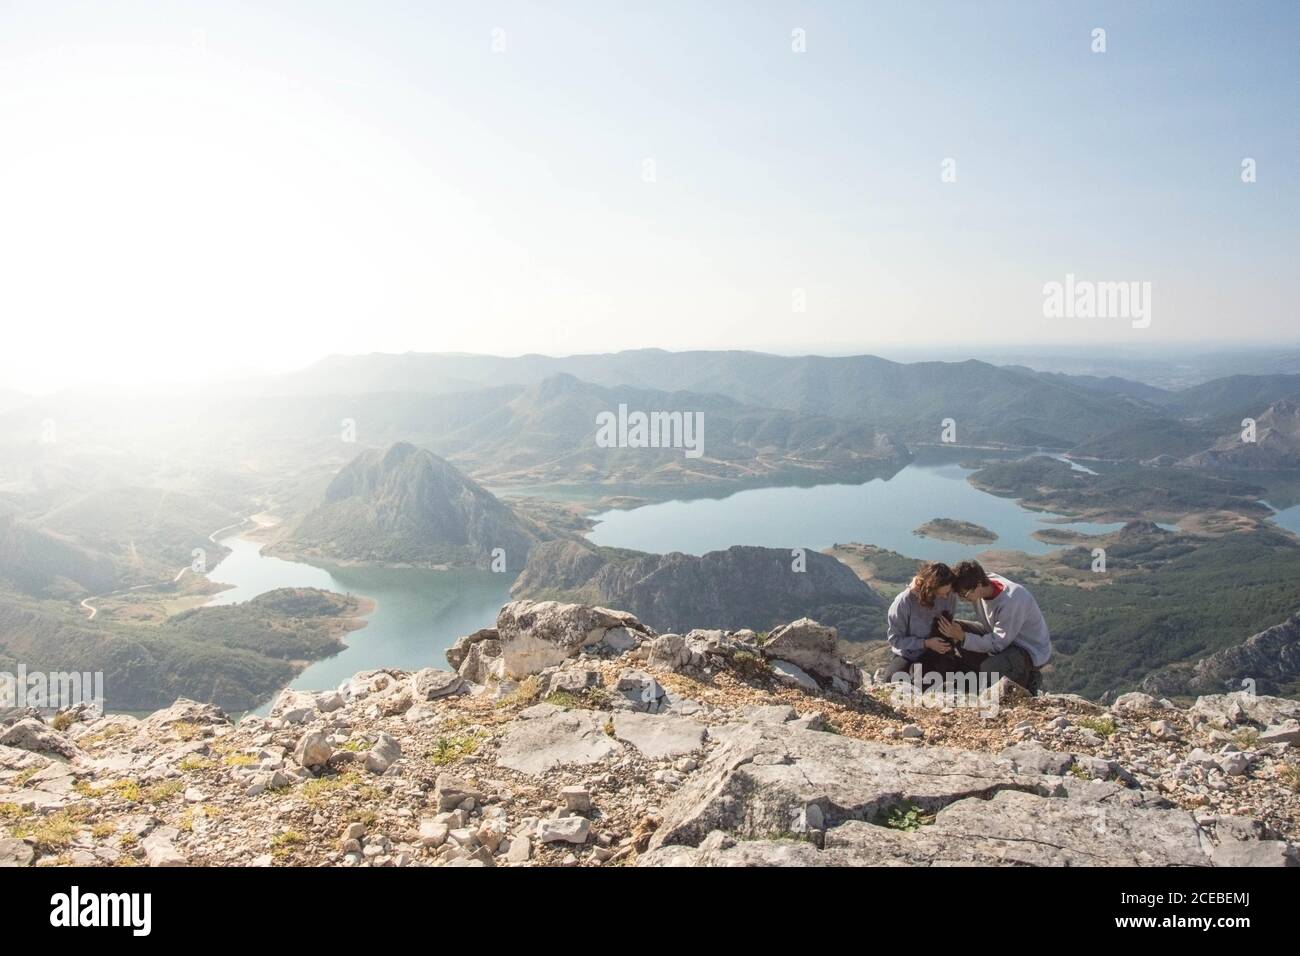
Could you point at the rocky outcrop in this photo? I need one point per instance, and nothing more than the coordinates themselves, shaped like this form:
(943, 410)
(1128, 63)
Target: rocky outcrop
(593, 741)
(1276, 444)
(737, 588)
(1269, 659)
(532, 636)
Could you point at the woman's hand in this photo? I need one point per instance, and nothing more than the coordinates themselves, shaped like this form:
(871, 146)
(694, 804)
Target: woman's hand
(938, 645)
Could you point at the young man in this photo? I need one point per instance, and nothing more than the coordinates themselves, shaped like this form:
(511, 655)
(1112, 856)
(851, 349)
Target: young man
(1018, 643)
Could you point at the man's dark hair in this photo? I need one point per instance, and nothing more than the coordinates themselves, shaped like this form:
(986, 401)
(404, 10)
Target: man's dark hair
(968, 575)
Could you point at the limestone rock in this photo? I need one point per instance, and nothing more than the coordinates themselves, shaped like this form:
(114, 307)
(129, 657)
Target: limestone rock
(451, 791)
(432, 683)
(539, 634)
(566, 737)
(32, 734)
(381, 755)
(812, 648)
(789, 673)
(564, 829)
(658, 736)
(313, 749)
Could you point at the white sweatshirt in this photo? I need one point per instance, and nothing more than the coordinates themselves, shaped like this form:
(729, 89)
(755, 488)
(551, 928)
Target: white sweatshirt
(1013, 617)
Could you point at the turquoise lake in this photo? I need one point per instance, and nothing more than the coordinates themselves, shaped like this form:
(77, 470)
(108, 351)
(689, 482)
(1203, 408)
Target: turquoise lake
(419, 613)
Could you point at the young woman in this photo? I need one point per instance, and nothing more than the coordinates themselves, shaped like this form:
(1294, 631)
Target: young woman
(916, 624)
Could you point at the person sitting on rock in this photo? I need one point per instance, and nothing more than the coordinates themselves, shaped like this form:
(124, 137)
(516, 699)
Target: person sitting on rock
(1015, 639)
(914, 625)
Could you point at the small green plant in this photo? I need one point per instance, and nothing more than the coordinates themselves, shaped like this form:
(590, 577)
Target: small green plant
(1289, 775)
(450, 749)
(24, 775)
(126, 789)
(1101, 725)
(108, 733)
(366, 818)
(316, 791)
(194, 762)
(187, 730)
(1077, 770)
(904, 816)
(239, 760)
(11, 811)
(54, 831)
(356, 746)
(158, 792)
(127, 840)
(63, 720)
(1246, 739)
(525, 693)
(750, 665)
(283, 844)
(564, 698)
(101, 831)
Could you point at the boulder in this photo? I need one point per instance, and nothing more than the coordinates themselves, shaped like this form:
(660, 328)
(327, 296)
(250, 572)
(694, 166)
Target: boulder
(431, 683)
(293, 707)
(451, 791)
(539, 634)
(794, 675)
(313, 749)
(482, 662)
(1240, 707)
(31, 733)
(460, 649)
(381, 755)
(812, 648)
(160, 848)
(1134, 703)
(564, 830)
(1287, 732)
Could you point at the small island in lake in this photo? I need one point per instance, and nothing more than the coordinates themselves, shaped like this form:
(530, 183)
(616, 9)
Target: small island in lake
(950, 529)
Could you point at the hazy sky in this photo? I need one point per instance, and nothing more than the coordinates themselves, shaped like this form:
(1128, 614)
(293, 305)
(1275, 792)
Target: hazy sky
(190, 187)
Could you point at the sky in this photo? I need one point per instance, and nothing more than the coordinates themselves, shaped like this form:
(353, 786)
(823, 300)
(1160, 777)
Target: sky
(190, 189)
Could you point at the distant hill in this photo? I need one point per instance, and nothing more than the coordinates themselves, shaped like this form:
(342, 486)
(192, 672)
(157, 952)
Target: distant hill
(739, 587)
(406, 505)
(1276, 446)
(990, 404)
(1107, 385)
(41, 564)
(1145, 440)
(548, 431)
(1235, 395)
(233, 655)
(148, 532)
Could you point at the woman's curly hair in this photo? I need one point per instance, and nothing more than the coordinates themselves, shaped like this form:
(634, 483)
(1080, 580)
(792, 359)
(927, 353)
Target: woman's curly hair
(929, 578)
